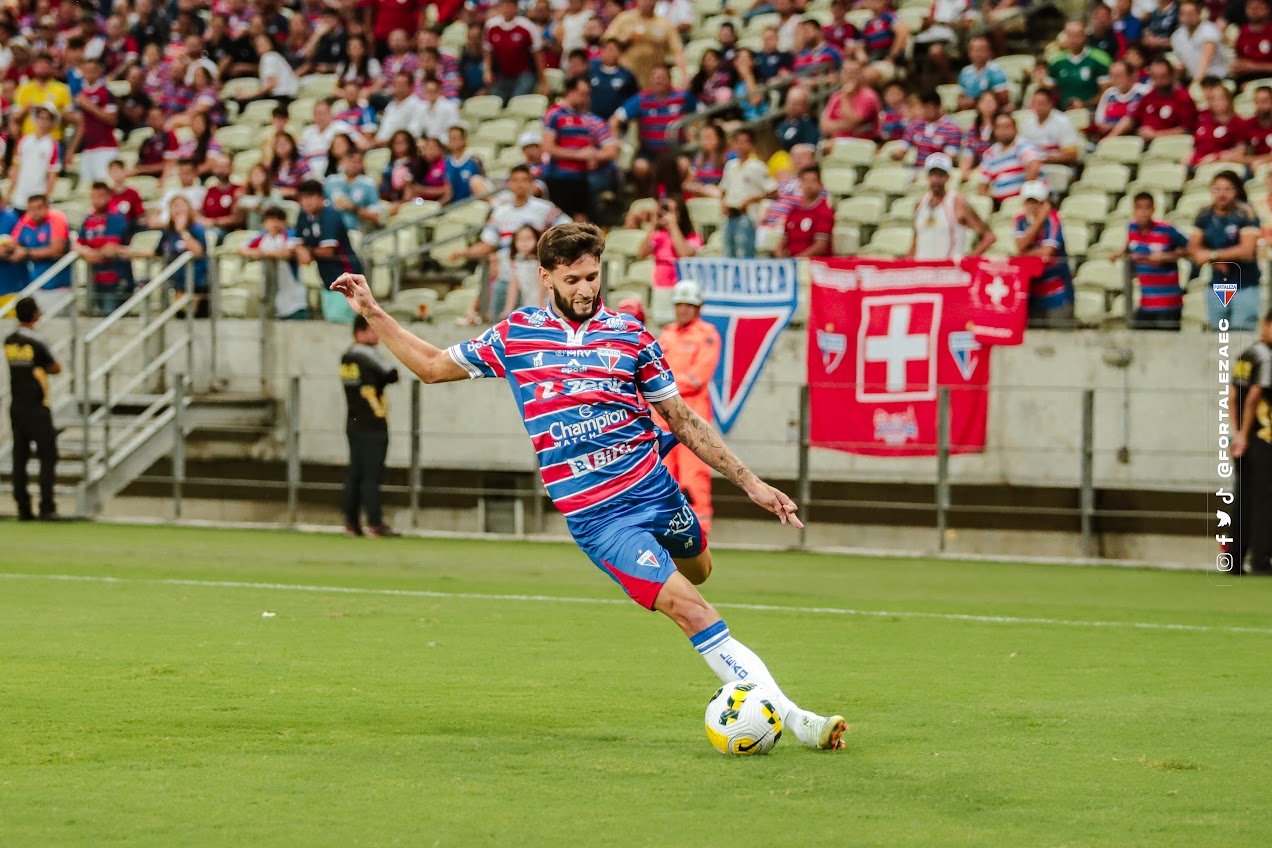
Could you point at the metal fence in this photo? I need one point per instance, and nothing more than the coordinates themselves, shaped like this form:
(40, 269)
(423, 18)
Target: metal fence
(436, 459)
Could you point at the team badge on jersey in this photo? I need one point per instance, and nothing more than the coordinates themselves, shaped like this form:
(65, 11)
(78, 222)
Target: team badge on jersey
(609, 358)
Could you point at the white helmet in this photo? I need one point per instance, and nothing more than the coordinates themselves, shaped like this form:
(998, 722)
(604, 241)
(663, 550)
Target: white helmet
(687, 291)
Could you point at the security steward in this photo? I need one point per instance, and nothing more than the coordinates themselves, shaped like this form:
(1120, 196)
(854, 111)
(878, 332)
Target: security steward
(30, 364)
(691, 347)
(1248, 399)
(365, 375)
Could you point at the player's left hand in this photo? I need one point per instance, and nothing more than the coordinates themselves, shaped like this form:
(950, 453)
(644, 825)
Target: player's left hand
(775, 502)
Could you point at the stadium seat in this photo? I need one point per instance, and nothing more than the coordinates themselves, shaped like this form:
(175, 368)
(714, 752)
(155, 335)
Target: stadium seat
(238, 302)
(258, 112)
(639, 274)
(1102, 274)
(1084, 207)
(499, 131)
(624, 242)
(484, 107)
(528, 106)
(1077, 242)
(845, 239)
(1088, 306)
(239, 87)
(862, 209)
(902, 209)
(119, 88)
(474, 213)
(1080, 118)
(1163, 176)
(238, 137)
(245, 160)
(839, 182)
(981, 205)
(317, 86)
(146, 241)
(1170, 148)
(1206, 173)
(705, 214)
(375, 159)
(857, 152)
(407, 302)
(146, 186)
(949, 96)
(890, 241)
(1196, 306)
(1016, 66)
(1125, 149)
(886, 181)
(136, 138)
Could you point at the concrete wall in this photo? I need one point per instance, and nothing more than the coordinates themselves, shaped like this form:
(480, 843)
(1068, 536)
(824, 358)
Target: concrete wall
(1163, 405)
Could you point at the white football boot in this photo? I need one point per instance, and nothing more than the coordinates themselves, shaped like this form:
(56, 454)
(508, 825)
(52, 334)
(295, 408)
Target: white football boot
(824, 732)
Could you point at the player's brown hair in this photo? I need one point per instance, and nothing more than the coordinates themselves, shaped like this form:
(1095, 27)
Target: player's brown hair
(566, 244)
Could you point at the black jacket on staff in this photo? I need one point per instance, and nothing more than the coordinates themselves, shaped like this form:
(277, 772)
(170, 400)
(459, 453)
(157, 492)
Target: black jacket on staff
(30, 364)
(365, 375)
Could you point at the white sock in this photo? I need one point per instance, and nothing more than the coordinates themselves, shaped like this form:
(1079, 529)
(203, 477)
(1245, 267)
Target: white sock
(731, 660)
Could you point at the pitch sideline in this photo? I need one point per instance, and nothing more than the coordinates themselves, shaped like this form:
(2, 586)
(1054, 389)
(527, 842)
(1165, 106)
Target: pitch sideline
(424, 593)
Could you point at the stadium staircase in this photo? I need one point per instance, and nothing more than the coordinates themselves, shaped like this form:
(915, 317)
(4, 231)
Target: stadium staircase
(125, 399)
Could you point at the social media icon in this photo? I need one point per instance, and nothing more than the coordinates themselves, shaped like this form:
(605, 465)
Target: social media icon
(1223, 562)
(1224, 519)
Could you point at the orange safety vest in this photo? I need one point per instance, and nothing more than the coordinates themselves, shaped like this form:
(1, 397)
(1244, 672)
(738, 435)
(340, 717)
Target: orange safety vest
(692, 352)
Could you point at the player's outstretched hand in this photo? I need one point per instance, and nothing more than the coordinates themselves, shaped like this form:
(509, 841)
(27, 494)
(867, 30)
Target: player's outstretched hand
(775, 502)
(356, 291)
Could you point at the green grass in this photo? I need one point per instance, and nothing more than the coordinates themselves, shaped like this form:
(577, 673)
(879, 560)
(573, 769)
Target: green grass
(148, 713)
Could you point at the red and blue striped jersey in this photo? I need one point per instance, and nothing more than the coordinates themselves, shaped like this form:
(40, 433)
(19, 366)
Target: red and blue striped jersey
(583, 394)
(927, 137)
(654, 115)
(1054, 287)
(824, 57)
(891, 125)
(1159, 284)
(573, 131)
(880, 34)
(707, 172)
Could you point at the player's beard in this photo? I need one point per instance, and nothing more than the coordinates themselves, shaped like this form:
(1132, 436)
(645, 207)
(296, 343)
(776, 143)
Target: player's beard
(566, 309)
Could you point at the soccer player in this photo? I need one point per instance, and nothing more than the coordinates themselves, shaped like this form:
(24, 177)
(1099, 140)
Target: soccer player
(578, 372)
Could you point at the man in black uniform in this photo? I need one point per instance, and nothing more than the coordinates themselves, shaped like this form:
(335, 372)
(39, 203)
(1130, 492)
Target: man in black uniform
(30, 364)
(365, 375)
(1248, 399)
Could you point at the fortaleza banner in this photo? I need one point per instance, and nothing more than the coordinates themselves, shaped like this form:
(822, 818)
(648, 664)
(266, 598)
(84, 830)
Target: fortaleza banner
(885, 335)
(750, 302)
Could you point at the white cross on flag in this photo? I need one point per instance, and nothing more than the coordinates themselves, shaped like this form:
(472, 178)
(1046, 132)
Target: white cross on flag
(885, 336)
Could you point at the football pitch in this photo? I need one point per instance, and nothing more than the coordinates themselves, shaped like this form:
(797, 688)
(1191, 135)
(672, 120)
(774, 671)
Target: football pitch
(178, 686)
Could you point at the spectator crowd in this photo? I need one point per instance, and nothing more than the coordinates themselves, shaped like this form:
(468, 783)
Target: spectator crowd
(294, 131)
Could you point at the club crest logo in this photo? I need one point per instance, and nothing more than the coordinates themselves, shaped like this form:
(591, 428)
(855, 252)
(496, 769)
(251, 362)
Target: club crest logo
(833, 347)
(1225, 291)
(896, 428)
(963, 347)
(609, 358)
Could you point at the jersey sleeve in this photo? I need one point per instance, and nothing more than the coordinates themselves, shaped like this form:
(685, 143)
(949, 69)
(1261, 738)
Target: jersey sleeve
(653, 377)
(43, 357)
(484, 355)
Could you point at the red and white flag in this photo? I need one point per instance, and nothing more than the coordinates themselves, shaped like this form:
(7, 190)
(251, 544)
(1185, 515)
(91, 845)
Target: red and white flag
(886, 335)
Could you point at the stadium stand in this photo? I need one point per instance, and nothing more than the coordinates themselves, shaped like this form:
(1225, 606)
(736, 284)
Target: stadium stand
(366, 97)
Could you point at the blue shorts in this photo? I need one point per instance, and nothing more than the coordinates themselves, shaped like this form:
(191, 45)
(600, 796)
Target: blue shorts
(633, 538)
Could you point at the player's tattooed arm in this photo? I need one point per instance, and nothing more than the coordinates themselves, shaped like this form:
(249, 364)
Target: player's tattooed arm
(697, 435)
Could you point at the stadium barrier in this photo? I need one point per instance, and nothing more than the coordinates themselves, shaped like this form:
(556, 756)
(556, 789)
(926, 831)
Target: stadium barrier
(931, 503)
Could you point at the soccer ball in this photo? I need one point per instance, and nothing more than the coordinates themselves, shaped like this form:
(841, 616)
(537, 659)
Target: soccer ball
(742, 719)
